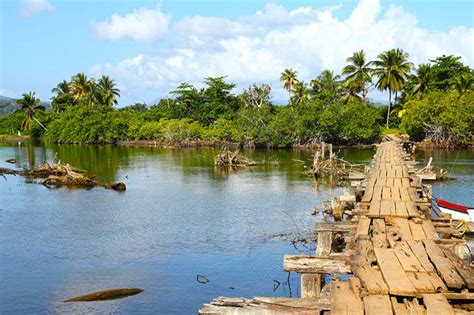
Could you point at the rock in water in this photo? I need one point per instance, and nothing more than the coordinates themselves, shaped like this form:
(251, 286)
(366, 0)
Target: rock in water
(117, 186)
(11, 161)
(105, 295)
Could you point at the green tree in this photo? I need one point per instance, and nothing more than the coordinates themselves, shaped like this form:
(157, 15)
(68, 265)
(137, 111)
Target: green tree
(289, 78)
(107, 91)
(300, 93)
(30, 104)
(444, 71)
(326, 86)
(463, 83)
(63, 97)
(422, 80)
(391, 69)
(79, 86)
(359, 71)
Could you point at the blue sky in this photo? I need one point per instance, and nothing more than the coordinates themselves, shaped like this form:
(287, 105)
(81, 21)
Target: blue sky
(149, 47)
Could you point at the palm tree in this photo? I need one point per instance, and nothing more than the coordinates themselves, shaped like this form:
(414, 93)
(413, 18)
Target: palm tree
(350, 91)
(289, 78)
(300, 92)
(326, 81)
(422, 80)
(31, 104)
(80, 85)
(391, 69)
(61, 88)
(107, 91)
(359, 71)
(463, 83)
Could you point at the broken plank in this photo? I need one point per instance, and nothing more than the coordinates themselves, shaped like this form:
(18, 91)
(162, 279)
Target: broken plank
(387, 208)
(417, 230)
(425, 282)
(306, 264)
(323, 248)
(429, 230)
(407, 258)
(393, 273)
(404, 228)
(362, 227)
(379, 237)
(377, 304)
(437, 304)
(419, 250)
(443, 265)
(344, 301)
(465, 270)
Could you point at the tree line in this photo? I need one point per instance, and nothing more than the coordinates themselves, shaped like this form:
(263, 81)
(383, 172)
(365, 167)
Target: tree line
(433, 101)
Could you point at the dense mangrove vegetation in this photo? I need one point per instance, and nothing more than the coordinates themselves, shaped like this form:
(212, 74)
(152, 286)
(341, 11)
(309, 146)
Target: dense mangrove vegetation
(433, 101)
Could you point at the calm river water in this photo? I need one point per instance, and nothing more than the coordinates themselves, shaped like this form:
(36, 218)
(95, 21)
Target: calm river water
(179, 218)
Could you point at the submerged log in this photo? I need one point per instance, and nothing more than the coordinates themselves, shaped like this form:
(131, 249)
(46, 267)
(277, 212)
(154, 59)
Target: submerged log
(106, 295)
(229, 158)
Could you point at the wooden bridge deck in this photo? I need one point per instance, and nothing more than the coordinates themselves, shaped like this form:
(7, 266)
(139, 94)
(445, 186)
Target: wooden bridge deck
(399, 263)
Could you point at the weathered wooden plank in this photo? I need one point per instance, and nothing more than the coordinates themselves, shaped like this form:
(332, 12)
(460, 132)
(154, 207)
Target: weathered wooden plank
(406, 181)
(417, 230)
(323, 248)
(396, 193)
(338, 226)
(401, 209)
(429, 230)
(465, 271)
(411, 209)
(310, 285)
(362, 227)
(419, 250)
(398, 308)
(379, 237)
(397, 182)
(403, 227)
(393, 273)
(404, 194)
(387, 208)
(437, 304)
(386, 193)
(361, 265)
(443, 265)
(377, 304)
(377, 195)
(344, 301)
(425, 282)
(306, 264)
(407, 258)
(374, 209)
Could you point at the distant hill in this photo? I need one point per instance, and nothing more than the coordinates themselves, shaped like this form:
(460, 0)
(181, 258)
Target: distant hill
(8, 105)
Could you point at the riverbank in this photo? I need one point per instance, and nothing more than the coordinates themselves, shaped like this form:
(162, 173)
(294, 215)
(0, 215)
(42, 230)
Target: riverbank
(12, 138)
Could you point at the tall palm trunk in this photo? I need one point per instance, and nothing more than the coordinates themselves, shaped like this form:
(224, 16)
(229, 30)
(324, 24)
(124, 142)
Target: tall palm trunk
(389, 106)
(34, 118)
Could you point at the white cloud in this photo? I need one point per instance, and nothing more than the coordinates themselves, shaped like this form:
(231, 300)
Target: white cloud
(257, 48)
(34, 7)
(140, 25)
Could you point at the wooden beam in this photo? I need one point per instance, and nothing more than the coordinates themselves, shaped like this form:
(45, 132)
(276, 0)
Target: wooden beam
(306, 264)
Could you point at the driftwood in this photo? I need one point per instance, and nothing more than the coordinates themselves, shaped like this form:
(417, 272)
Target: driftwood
(229, 158)
(332, 165)
(57, 175)
(105, 295)
(7, 171)
(61, 175)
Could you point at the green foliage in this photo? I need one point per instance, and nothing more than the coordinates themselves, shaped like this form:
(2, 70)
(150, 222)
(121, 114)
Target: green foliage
(444, 71)
(443, 117)
(11, 124)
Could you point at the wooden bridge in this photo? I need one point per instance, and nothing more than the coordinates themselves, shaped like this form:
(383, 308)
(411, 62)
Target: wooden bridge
(398, 259)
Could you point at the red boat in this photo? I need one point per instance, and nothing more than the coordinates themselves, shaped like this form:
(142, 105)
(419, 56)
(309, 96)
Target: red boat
(457, 212)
